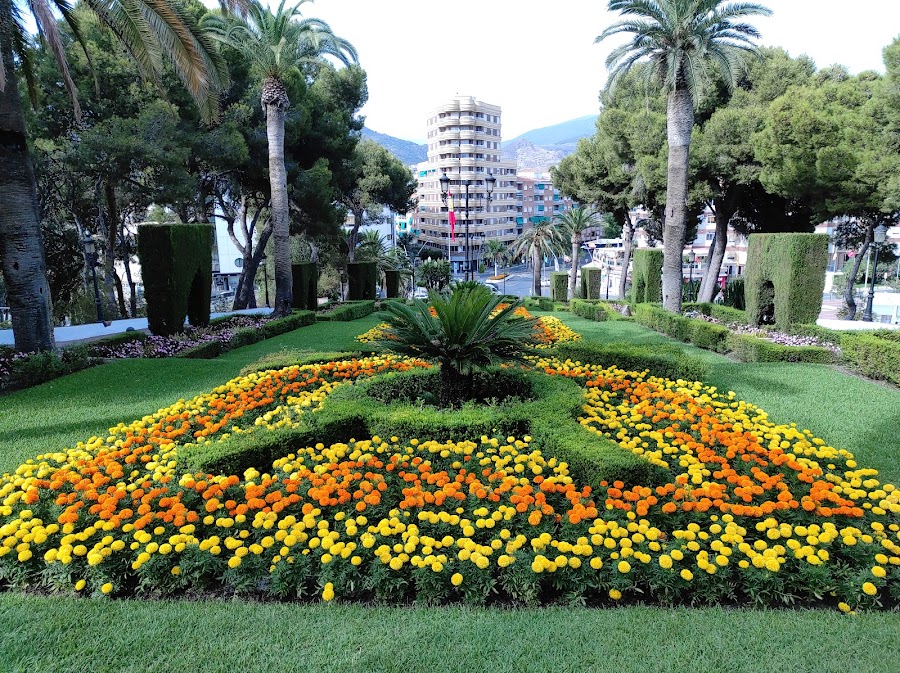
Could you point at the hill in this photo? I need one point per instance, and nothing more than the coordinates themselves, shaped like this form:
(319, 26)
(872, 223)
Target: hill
(407, 151)
(564, 133)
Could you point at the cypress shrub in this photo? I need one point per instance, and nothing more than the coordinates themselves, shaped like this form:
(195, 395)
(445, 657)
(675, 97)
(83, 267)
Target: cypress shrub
(391, 283)
(646, 279)
(559, 285)
(785, 278)
(362, 278)
(305, 286)
(593, 282)
(733, 295)
(589, 310)
(176, 264)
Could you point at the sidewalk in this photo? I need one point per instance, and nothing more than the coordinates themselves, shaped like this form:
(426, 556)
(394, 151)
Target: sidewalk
(73, 333)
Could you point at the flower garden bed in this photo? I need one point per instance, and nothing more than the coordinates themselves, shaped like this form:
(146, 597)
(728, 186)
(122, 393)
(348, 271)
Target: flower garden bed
(749, 512)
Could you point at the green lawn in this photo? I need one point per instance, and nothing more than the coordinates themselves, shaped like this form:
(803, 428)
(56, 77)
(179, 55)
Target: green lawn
(74, 635)
(67, 634)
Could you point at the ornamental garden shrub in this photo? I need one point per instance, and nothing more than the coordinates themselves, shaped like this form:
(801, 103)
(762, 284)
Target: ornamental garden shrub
(391, 283)
(748, 348)
(876, 355)
(733, 509)
(785, 278)
(659, 360)
(559, 286)
(589, 310)
(362, 278)
(305, 291)
(591, 282)
(176, 265)
(347, 311)
(733, 295)
(646, 281)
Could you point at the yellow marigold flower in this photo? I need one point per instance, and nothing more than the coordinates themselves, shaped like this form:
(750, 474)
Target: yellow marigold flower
(869, 589)
(878, 571)
(176, 570)
(843, 607)
(79, 585)
(107, 588)
(615, 594)
(596, 563)
(665, 561)
(328, 592)
(687, 575)
(624, 567)
(456, 579)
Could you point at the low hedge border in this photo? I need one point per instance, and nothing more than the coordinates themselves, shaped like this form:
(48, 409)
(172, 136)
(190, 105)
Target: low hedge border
(597, 310)
(753, 349)
(664, 361)
(539, 303)
(725, 314)
(873, 355)
(350, 412)
(348, 310)
(247, 335)
(293, 356)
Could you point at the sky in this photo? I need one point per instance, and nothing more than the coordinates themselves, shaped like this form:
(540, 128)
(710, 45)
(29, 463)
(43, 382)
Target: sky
(537, 58)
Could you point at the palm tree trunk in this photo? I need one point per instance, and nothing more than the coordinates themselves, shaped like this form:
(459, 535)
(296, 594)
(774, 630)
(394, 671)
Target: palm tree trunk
(680, 123)
(21, 246)
(628, 237)
(714, 260)
(275, 101)
(573, 274)
(536, 273)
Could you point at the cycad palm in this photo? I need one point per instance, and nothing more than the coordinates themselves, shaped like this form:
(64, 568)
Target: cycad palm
(276, 45)
(574, 223)
(496, 252)
(153, 31)
(684, 41)
(542, 240)
(467, 332)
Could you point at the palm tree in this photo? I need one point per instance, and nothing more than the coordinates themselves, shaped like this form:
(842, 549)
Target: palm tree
(495, 252)
(276, 45)
(542, 240)
(152, 31)
(574, 223)
(467, 331)
(684, 41)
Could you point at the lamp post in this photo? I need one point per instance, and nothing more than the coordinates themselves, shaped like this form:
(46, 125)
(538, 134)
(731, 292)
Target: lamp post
(879, 238)
(90, 256)
(489, 183)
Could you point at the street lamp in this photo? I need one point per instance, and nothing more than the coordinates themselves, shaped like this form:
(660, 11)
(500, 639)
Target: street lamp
(90, 257)
(880, 236)
(489, 183)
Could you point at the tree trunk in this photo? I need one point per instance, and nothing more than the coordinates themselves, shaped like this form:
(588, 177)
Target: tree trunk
(680, 123)
(573, 274)
(275, 102)
(120, 295)
(849, 301)
(132, 288)
(714, 258)
(628, 236)
(353, 238)
(536, 273)
(112, 281)
(245, 296)
(21, 246)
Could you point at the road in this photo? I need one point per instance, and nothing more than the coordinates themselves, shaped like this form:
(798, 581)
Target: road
(519, 282)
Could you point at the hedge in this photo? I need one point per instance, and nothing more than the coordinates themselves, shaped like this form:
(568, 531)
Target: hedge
(559, 285)
(246, 336)
(351, 412)
(391, 283)
(176, 265)
(660, 360)
(288, 357)
(347, 311)
(785, 278)
(539, 303)
(591, 282)
(659, 319)
(362, 280)
(589, 309)
(305, 288)
(725, 314)
(753, 349)
(646, 278)
(873, 355)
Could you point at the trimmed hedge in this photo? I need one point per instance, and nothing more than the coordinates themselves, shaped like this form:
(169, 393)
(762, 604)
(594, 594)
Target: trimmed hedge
(787, 270)
(248, 335)
(391, 283)
(660, 360)
(351, 412)
(539, 303)
(753, 349)
(725, 314)
(292, 356)
(588, 309)
(362, 281)
(559, 285)
(347, 311)
(646, 280)
(873, 355)
(305, 286)
(176, 264)
(591, 282)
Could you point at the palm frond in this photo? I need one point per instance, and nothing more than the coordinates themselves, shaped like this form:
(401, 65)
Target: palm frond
(49, 32)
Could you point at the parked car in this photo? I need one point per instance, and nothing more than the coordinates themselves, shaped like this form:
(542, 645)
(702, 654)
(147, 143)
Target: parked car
(493, 288)
(421, 293)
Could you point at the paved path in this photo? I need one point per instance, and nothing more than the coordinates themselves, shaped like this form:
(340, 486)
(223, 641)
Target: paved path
(75, 333)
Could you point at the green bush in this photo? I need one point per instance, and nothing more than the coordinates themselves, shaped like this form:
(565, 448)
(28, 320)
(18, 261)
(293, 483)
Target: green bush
(646, 279)
(176, 263)
(347, 311)
(785, 278)
(289, 323)
(823, 333)
(661, 320)
(559, 285)
(724, 314)
(690, 290)
(538, 303)
(592, 282)
(362, 279)
(391, 283)
(305, 294)
(709, 336)
(589, 310)
(660, 360)
(873, 355)
(733, 296)
(38, 368)
(288, 357)
(753, 349)
(247, 336)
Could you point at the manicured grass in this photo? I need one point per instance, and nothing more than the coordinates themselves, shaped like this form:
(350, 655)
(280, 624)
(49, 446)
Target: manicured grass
(65, 634)
(847, 412)
(61, 412)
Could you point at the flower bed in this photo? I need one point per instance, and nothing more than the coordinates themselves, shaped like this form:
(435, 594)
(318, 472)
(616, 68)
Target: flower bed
(754, 512)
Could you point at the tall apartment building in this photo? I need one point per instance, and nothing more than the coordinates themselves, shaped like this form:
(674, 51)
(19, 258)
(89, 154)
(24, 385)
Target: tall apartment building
(538, 199)
(464, 142)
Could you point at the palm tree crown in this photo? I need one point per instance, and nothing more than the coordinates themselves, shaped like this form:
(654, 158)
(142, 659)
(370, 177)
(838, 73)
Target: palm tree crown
(682, 39)
(542, 240)
(574, 223)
